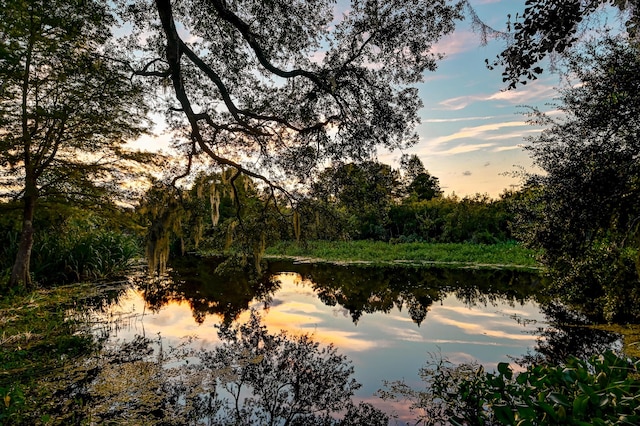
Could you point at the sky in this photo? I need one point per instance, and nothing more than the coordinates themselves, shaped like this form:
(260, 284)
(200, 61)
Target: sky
(472, 130)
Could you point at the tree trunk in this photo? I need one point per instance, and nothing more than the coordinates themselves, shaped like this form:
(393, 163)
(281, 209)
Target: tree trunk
(20, 274)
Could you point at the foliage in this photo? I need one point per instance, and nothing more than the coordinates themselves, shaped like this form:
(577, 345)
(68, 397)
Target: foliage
(249, 88)
(370, 200)
(476, 219)
(38, 338)
(221, 211)
(507, 255)
(419, 184)
(227, 212)
(583, 211)
(272, 90)
(550, 27)
(67, 109)
(601, 391)
(72, 245)
(362, 192)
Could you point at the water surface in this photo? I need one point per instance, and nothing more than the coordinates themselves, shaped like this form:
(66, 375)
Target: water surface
(388, 321)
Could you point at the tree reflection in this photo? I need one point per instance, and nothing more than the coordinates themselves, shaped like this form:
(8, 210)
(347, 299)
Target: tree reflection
(567, 334)
(371, 289)
(358, 290)
(251, 378)
(207, 289)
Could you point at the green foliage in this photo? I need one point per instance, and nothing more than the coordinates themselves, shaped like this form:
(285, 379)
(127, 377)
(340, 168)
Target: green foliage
(476, 219)
(68, 106)
(371, 201)
(601, 391)
(223, 212)
(502, 255)
(72, 245)
(38, 339)
(82, 254)
(362, 193)
(583, 211)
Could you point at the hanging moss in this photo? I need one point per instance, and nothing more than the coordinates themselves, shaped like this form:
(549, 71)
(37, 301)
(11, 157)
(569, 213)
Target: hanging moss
(296, 225)
(230, 234)
(258, 251)
(214, 200)
(165, 215)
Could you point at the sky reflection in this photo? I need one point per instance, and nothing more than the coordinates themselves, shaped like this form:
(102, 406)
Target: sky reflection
(381, 345)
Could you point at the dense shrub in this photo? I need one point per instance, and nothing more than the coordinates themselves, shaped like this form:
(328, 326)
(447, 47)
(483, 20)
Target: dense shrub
(603, 390)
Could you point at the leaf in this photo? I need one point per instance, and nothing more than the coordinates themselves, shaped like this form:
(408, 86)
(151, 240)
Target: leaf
(580, 404)
(505, 370)
(559, 399)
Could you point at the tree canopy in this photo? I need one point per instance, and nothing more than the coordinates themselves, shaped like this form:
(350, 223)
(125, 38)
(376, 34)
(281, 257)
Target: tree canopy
(283, 86)
(547, 27)
(584, 210)
(66, 108)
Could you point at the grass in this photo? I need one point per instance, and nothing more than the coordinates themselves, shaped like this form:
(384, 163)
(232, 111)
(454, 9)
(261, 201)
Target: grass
(504, 255)
(37, 338)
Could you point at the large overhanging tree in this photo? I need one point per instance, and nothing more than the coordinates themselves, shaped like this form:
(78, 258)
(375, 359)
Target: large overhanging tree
(283, 86)
(66, 109)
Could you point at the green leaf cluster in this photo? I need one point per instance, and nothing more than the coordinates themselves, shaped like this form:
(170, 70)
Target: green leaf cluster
(603, 390)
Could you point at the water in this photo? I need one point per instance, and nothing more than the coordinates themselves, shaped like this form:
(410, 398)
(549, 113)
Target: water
(387, 321)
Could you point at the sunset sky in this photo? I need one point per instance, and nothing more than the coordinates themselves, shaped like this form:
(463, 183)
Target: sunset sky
(472, 130)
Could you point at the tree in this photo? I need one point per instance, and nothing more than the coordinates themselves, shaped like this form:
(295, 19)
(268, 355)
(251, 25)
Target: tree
(420, 185)
(411, 166)
(66, 109)
(547, 27)
(364, 191)
(275, 86)
(584, 211)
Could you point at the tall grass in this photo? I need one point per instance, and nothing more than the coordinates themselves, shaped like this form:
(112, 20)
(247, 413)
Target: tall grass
(510, 254)
(83, 255)
(74, 253)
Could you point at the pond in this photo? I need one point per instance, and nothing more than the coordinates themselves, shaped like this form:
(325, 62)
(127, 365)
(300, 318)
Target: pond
(387, 321)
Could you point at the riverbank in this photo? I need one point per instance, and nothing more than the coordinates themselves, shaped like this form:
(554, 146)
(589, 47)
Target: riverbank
(40, 336)
(376, 253)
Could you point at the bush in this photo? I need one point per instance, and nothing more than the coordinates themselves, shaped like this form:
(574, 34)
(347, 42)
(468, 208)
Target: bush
(603, 390)
(71, 250)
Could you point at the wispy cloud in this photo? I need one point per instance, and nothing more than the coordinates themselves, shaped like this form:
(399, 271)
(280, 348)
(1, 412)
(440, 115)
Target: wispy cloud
(476, 132)
(463, 149)
(457, 42)
(507, 148)
(458, 119)
(535, 92)
(513, 135)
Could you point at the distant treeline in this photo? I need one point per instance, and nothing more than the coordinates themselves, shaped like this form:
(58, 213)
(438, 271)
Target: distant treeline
(346, 201)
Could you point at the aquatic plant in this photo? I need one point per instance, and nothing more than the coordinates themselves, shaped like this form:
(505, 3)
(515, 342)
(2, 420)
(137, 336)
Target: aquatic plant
(603, 390)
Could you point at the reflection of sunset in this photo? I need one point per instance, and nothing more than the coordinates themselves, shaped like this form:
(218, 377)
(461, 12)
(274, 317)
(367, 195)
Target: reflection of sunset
(385, 327)
(463, 310)
(479, 329)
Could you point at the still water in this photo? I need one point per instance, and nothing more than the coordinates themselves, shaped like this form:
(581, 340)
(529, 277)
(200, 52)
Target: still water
(387, 321)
